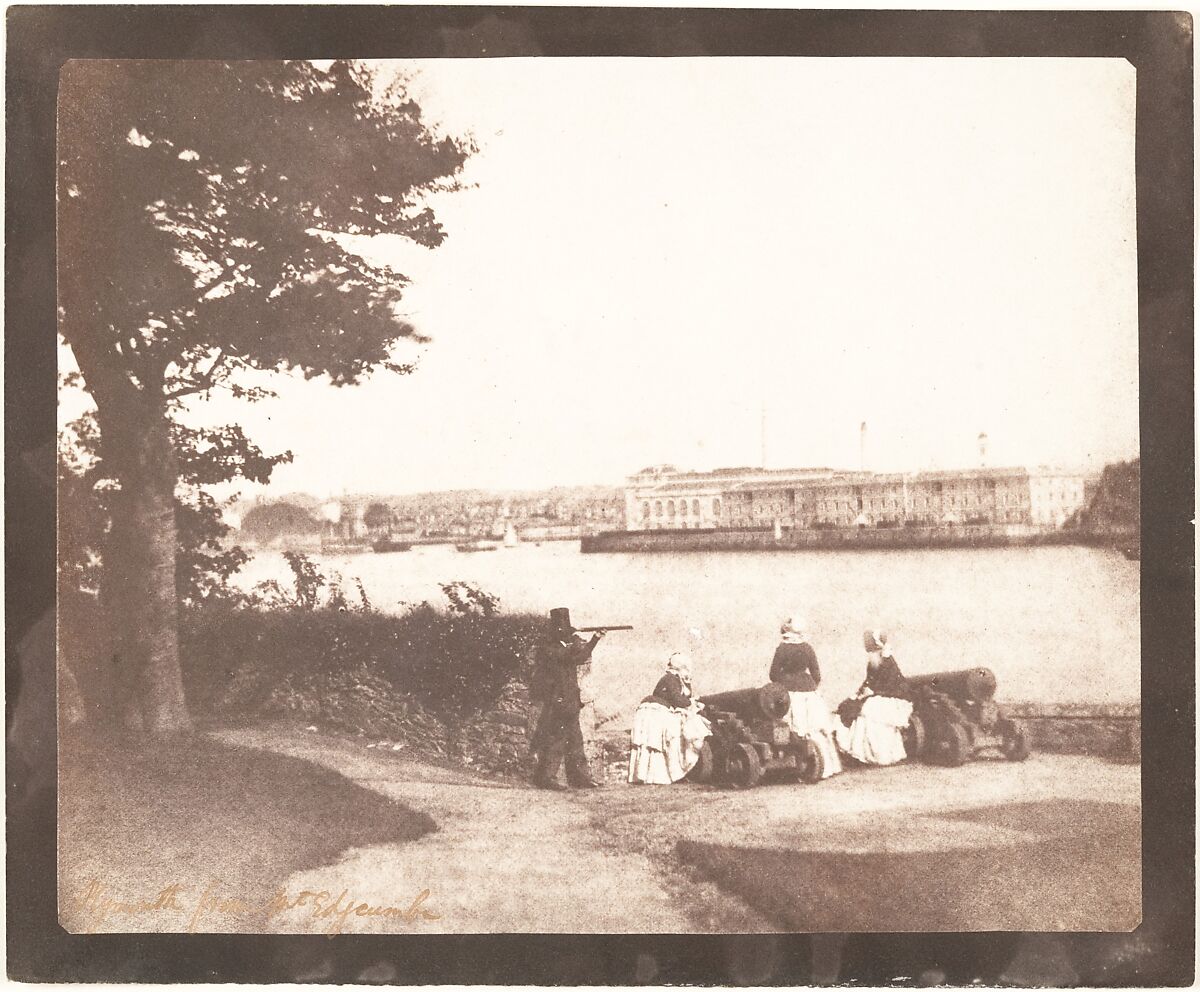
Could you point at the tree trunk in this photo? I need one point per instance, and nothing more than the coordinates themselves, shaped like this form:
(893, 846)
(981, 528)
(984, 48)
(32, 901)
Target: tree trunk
(122, 660)
(139, 595)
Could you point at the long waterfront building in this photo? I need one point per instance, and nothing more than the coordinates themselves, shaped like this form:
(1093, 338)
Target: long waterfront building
(663, 498)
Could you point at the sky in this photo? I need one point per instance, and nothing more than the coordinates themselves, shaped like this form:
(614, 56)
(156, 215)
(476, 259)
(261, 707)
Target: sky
(656, 256)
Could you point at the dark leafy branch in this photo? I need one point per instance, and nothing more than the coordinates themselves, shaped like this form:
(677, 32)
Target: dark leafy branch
(198, 200)
(203, 214)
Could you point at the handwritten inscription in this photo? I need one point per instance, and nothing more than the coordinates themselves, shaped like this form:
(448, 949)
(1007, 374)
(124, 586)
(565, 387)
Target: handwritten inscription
(198, 907)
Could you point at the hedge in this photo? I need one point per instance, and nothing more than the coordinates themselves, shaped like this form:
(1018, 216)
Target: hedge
(453, 661)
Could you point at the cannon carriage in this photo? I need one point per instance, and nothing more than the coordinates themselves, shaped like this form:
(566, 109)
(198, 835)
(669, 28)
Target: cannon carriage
(752, 739)
(956, 719)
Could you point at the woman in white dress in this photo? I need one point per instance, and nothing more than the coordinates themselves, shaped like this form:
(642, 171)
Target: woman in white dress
(872, 723)
(668, 728)
(795, 668)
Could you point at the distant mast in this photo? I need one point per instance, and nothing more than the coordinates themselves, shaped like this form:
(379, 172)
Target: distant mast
(764, 434)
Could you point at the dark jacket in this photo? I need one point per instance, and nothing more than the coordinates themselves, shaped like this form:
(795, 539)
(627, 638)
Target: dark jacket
(558, 677)
(795, 667)
(671, 691)
(887, 680)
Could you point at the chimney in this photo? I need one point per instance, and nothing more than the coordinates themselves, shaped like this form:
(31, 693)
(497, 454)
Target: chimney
(862, 446)
(983, 450)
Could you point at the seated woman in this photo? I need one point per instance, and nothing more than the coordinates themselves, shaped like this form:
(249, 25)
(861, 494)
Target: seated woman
(795, 668)
(873, 720)
(668, 730)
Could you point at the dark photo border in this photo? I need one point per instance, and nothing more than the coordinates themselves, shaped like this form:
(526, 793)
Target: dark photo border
(1159, 44)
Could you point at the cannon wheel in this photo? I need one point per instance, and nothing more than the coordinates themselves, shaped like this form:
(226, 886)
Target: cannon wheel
(742, 767)
(1015, 740)
(914, 737)
(703, 769)
(812, 762)
(954, 746)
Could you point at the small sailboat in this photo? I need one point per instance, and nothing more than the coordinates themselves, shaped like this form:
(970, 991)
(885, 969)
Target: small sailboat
(510, 536)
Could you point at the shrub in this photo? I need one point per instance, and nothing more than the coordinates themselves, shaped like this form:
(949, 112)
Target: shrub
(456, 659)
(312, 589)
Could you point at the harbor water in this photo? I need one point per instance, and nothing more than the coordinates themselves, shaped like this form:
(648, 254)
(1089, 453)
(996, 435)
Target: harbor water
(1056, 624)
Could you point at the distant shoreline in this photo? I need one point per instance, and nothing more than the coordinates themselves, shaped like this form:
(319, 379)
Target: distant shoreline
(764, 539)
(315, 546)
(845, 539)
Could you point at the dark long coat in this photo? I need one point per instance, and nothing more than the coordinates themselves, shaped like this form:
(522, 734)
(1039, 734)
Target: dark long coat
(795, 667)
(557, 689)
(671, 691)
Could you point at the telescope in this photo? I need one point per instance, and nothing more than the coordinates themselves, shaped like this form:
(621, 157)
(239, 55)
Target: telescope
(602, 630)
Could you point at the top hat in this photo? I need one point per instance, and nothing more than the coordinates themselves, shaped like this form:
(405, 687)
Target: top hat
(560, 618)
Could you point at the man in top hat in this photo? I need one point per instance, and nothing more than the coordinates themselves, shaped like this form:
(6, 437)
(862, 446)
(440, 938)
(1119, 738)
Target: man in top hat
(558, 734)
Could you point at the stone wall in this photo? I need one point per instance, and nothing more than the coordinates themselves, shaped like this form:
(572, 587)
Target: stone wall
(499, 740)
(1111, 730)
(743, 539)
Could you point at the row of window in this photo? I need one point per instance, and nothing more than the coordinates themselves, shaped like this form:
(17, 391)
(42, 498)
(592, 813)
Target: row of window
(683, 525)
(1071, 492)
(818, 495)
(916, 502)
(681, 507)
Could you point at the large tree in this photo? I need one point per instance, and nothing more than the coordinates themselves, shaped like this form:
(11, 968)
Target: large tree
(198, 208)
(378, 516)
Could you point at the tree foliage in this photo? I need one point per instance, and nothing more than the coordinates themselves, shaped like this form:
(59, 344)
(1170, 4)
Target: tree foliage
(378, 516)
(1116, 500)
(202, 223)
(86, 489)
(271, 520)
(198, 200)
(312, 589)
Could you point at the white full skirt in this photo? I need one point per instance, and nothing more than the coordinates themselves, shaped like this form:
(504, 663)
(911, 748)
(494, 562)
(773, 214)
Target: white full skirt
(874, 738)
(664, 744)
(810, 717)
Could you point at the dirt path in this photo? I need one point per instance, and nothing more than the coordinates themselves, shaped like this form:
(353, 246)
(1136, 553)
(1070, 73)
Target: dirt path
(505, 859)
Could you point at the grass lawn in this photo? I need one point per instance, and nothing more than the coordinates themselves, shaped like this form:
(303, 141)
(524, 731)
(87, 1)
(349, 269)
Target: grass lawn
(204, 816)
(1080, 869)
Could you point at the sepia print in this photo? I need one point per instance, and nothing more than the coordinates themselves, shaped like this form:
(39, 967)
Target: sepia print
(598, 495)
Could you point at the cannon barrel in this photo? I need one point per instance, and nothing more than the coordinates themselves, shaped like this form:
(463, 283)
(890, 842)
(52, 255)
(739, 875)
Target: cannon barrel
(770, 701)
(975, 684)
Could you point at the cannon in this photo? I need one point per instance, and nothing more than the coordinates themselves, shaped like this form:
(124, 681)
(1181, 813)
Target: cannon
(955, 719)
(769, 702)
(752, 738)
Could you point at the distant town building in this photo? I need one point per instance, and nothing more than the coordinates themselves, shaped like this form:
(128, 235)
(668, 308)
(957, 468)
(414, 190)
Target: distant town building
(549, 514)
(663, 498)
(1054, 495)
